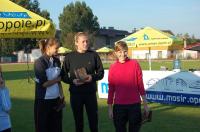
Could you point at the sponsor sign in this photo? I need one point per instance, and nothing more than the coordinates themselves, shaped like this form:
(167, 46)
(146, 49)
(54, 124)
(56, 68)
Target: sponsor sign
(165, 87)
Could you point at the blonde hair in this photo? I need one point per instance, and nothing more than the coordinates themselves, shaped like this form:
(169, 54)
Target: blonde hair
(121, 45)
(77, 35)
(47, 42)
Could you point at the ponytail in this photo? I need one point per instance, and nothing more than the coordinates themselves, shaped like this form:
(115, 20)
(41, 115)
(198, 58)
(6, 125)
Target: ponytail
(43, 45)
(46, 42)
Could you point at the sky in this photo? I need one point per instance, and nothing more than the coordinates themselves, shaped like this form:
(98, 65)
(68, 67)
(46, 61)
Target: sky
(179, 16)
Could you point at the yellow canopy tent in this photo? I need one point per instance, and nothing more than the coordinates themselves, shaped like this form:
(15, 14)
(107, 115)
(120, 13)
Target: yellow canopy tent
(104, 53)
(150, 37)
(18, 22)
(104, 50)
(63, 50)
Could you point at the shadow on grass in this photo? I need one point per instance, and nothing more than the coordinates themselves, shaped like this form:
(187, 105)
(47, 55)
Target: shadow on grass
(166, 118)
(173, 118)
(18, 75)
(22, 116)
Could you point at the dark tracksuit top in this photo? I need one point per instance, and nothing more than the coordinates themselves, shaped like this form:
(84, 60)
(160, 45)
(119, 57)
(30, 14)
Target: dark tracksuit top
(47, 119)
(90, 60)
(40, 66)
(85, 94)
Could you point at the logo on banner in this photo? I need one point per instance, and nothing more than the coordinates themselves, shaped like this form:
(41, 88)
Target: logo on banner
(104, 88)
(146, 37)
(14, 15)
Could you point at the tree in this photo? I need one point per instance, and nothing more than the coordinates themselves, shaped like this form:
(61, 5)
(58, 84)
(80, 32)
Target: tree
(179, 35)
(45, 14)
(193, 37)
(34, 7)
(189, 39)
(28, 4)
(76, 17)
(7, 46)
(186, 35)
(24, 3)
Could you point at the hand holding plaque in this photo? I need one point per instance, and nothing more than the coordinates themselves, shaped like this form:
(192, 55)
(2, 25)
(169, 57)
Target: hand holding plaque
(81, 74)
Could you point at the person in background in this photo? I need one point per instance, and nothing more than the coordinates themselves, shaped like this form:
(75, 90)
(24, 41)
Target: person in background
(81, 69)
(47, 94)
(5, 106)
(125, 89)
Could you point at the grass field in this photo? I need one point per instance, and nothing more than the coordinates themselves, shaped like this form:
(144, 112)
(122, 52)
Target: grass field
(166, 118)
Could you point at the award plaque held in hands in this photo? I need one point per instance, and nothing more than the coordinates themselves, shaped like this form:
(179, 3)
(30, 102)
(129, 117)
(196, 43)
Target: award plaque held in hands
(81, 74)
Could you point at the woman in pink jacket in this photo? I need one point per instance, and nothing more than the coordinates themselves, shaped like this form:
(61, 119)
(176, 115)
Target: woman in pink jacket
(125, 89)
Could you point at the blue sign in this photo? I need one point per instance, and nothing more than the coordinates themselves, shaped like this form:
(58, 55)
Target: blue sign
(14, 15)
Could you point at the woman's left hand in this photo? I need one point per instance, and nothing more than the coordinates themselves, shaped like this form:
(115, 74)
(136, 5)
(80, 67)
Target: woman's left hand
(58, 79)
(146, 109)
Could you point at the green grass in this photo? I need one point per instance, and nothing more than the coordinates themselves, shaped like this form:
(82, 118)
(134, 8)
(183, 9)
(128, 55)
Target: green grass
(156, 64)
(166, 118)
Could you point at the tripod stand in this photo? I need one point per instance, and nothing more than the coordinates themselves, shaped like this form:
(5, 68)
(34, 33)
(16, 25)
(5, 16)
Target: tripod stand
(27, 51)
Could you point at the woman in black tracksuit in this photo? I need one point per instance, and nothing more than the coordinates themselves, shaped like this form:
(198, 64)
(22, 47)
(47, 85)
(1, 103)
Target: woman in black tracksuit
(47, 73)
(83, 89)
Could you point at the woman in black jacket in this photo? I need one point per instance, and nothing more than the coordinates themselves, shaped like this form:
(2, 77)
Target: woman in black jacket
(81, 69)
(47, 72)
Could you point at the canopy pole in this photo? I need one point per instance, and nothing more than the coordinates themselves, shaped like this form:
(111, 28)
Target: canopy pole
(1, 49)
(149, 58)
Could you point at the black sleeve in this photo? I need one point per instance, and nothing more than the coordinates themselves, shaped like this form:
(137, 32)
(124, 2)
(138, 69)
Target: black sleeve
(65, 71)
(40, 71)
(99, 71)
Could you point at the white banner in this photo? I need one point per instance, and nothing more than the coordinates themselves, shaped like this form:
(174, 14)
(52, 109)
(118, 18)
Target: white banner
(165, 87)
